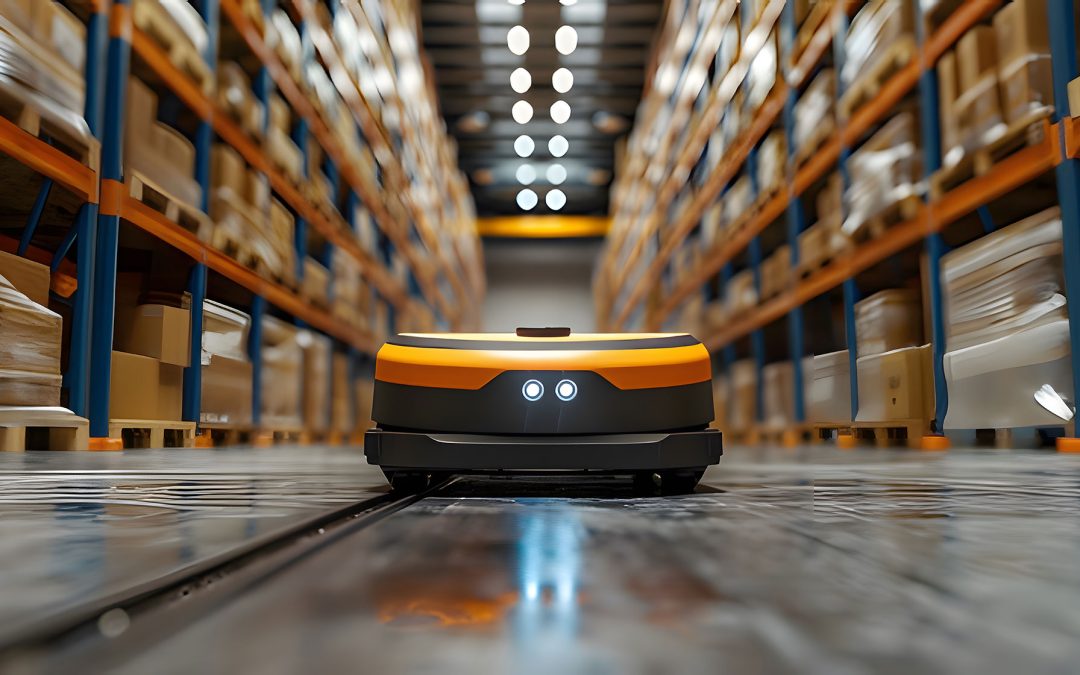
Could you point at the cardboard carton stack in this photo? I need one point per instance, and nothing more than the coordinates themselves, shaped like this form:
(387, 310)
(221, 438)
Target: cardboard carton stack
(772, 164)
(1007, 327)
(778, 393)
(235, 97)
(282, 375)
(828, 389)
(823, 240)
(815, 119)
(740, 294)
(30, 335)
(315, 286)
(776, 272)
(43, 48)
(157, 152)
(883, 29)
(352, 297)
(884, 171)
(240, 204)
(342, 412)
(226, 370)
(153, 346)
(318, 352)
(997, 77)
(893, 370)
(280, 148)
(743, 412)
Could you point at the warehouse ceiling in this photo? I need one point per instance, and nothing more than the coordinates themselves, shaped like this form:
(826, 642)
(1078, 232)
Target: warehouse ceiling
(466, 41)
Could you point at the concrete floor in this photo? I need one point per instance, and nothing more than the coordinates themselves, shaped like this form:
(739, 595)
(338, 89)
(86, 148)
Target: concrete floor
(809, 560)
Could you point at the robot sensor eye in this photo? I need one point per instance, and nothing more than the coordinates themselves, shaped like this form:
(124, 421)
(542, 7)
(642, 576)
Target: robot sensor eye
(532, 390)
(566, 390)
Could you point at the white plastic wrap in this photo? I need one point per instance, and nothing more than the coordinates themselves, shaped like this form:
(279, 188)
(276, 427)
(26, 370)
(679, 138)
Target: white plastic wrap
(884, 171)
(225, 332)
(188, 20)
(871, 33)
(29, 350)
(828, 389)
(815, 107)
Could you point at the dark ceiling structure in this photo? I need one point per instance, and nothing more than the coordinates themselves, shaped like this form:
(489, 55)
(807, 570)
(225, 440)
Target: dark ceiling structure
(466, 41)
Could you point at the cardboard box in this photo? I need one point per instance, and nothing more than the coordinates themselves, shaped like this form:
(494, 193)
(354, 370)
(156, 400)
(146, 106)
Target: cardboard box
(897, 385)
(227, 169)
(342, 419)
(133, 386)
(28, 277)
(317, 363)
(976, 55)
(29, 350)
(1024, 68)
(888, 320)
(948, 92)
(156, 331)
(226, 391)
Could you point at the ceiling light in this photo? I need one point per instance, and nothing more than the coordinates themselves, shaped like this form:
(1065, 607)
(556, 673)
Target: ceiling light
(527, 199)
(526, 174)
(517, 38)
(565, 40)
(562, 80)
(567, 3)
(558, 146)
(517, 2)
(555, 200)
(524, 146)
(520, 80)
(556, 174)
(560, 112)
(522, 112)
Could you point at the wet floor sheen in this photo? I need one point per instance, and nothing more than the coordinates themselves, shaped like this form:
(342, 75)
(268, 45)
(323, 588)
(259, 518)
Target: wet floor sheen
(784, 561)
(77, 527)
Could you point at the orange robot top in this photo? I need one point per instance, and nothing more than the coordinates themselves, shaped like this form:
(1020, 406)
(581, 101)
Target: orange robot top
(471, 360)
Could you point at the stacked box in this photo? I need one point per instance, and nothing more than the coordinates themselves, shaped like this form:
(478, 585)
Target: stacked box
(235, 97)
(282, 375)
(318, 352)
(772, 163)
(762, 75)
(283, 38)
(226, 370)
(43, 48)
(315, 286)
(776, 271)
(778, 393)
(885, 170)
(897, 385)
(743, 395)
(888, 320)
(977, 108)
(1022, 28)
(737, 202)
(1007, 326)
(30, 335)
(342, 414)
(878, 26)
(352, 297)
(828, 389)
(814, 113)
(155, 150)
(283, 152)
(740, 295)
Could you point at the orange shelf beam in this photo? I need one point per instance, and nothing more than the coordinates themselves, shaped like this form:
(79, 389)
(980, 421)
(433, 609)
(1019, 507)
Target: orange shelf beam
(193, 97)
(116, 197)
(368, 194)
(848, 135)
(38, 155)
(1006, 176)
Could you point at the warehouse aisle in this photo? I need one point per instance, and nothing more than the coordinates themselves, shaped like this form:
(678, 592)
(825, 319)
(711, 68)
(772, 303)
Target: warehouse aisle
(812, 560)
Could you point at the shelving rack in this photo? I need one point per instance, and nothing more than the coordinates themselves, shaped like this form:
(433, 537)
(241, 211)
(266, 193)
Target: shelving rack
(439, 245)
(622, 285)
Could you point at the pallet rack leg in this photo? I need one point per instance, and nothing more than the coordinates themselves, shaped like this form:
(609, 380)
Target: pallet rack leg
(1065, 69)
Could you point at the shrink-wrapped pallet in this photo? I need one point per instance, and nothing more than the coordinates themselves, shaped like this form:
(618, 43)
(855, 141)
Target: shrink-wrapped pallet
(1024, 68)
(342, 416)
(828, 389)
(877, 28)
(282, 374)
(743, 395)
(236, 98)
(1007, 326)
(316, 393)
(30, 337)
(158, 152)
(884, 171)
(888, 320)
(226, 371)
(814, 113)
(778, 393)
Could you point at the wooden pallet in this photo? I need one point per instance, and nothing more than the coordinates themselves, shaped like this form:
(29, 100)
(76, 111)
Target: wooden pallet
(750, 436)
(153, 433)
(825, 432)
(42, 428)
(788, 437)
(1031, 130)
(863, 90)
(898, 212)
(157, 198)
(891, 432)
(151, 18)
(823, 131)
(216, 435)
(70, 134)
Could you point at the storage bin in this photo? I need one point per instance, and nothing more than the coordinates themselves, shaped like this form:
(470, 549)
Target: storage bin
(992, 385)
(828, 389)
(896, 386)
(888, 320)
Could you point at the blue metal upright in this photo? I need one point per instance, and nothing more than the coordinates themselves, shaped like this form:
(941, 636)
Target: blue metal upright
(77, 377)
(930, 124)
(300, 136)
(192, 405)
(1063, 53)
(35, 216)
(254, 350)
(796, 223)
(118, 63)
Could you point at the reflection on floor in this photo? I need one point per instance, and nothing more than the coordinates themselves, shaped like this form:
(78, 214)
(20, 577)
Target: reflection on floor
(808, 560)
